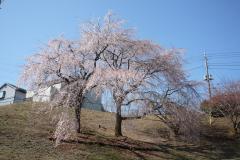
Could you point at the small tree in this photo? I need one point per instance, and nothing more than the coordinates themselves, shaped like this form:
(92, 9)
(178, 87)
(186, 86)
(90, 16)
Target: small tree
(226, 102)
(175, 105)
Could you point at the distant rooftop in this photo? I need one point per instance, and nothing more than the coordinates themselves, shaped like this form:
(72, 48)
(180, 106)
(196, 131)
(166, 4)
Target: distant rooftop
(14, 87)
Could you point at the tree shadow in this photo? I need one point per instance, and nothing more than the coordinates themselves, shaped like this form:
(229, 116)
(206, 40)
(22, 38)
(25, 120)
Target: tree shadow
(211, 145)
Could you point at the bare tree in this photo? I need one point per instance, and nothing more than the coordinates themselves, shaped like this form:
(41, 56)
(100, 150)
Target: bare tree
(176, 106)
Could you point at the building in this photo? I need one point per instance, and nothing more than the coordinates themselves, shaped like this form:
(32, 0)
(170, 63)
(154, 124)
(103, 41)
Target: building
(10, 94)
(43, 95)
(92, 101)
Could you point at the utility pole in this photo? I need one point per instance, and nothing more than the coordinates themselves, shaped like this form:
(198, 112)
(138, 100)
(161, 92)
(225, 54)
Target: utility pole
(208, 78)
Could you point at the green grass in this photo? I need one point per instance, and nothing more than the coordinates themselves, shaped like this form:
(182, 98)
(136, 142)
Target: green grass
(25, 132)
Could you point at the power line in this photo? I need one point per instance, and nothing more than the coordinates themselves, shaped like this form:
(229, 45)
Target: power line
(225, 52)
(194, 68)
(219, 64)
(225, 60)
(223, 57)
(226, 68)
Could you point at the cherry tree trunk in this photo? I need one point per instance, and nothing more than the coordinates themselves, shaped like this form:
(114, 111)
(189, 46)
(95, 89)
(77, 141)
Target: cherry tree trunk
(78, 113)
(118, 123)
(235, 127)
(78, 120)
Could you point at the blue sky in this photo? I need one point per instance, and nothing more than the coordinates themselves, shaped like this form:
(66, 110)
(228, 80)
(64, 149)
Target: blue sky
(195, 25)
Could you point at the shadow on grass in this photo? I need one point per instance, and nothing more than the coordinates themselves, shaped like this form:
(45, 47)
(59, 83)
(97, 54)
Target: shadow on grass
(214, 143)
(211, 146)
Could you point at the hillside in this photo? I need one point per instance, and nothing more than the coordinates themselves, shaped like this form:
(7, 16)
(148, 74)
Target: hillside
(25, 133)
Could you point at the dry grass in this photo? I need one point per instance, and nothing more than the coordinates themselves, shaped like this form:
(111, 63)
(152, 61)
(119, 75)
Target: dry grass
(146, 129)
(24, 135)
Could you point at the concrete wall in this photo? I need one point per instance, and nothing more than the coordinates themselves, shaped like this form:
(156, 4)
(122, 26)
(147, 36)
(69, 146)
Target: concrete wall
(43, 95)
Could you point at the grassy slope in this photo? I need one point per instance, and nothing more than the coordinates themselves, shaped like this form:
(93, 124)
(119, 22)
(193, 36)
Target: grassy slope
(24, 136)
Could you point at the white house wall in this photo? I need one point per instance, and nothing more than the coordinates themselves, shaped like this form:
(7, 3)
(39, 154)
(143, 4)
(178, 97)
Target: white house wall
(44, 95)
(9, 96)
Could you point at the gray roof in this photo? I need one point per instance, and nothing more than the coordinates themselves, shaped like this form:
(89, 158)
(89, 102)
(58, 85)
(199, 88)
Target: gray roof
(14, 87)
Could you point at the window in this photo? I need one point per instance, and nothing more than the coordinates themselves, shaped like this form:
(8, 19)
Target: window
(2, 94)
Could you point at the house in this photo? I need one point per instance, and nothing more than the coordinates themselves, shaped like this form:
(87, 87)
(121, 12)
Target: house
(10, 94)
(44, 94)
(92, 101)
